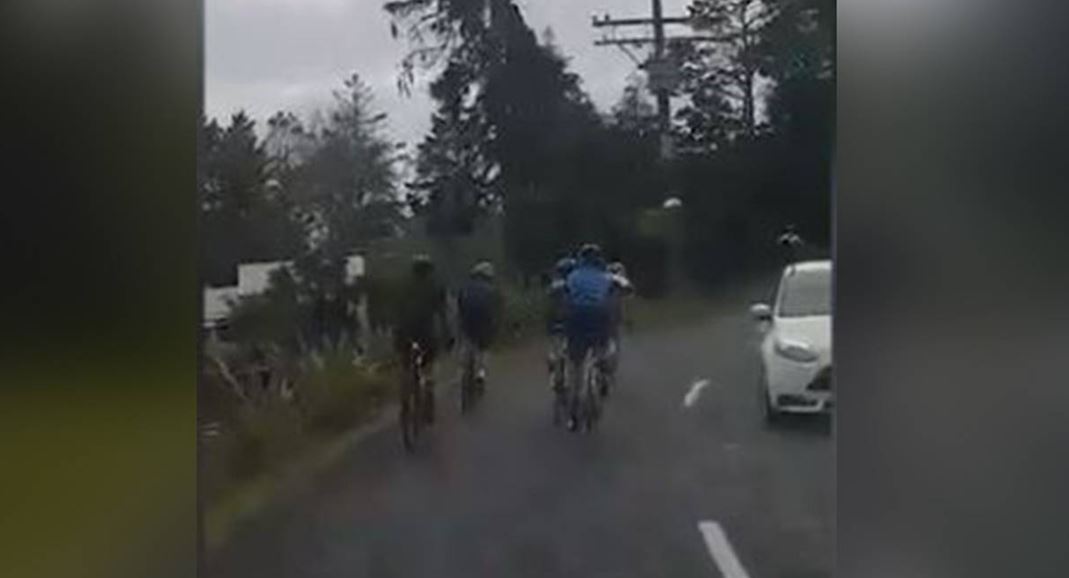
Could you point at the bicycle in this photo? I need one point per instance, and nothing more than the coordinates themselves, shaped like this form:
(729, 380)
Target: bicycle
(586, 402)
(558, 376)
(607, 367)
(471, 389)
(417, 403)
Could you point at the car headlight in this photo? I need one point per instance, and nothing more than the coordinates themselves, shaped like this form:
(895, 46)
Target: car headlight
(795, 351)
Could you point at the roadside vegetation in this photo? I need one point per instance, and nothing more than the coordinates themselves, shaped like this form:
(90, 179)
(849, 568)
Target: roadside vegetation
(518, 167)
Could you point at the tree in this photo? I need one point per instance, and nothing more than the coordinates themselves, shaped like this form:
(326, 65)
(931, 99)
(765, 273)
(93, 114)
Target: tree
(722, 75)
(709, 121)
(288, 144)
(241, 217)
(797, 52)
(456, 177)
(510, 120)
(345, 191)
(634, 112)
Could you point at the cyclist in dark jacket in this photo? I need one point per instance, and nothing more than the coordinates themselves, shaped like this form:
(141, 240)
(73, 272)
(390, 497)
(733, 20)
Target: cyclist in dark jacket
(478, 307)
(421, 318)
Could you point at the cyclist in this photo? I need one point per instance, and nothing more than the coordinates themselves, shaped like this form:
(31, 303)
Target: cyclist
(421, 319)
(791, 242)
(621, 289)
(588, 291)
(478, 304)
(555, 317)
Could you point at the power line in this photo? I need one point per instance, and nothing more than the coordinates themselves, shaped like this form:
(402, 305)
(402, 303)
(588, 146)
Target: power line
(663, 74)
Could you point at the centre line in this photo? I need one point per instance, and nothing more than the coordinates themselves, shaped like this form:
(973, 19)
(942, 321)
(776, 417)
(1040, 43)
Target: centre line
(721, 551)
(695, 390)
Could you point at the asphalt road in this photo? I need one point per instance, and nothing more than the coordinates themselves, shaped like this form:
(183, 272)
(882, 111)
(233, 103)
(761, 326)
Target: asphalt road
(502, 492)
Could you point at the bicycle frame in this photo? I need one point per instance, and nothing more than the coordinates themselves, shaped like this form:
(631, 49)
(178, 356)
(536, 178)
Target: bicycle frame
(583, 402)
(469, 366)
(413, 396)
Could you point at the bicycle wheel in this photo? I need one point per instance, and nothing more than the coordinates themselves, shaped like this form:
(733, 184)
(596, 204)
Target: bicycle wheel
(408, 422)
(560, 392)
(591, 395)
(467, 381)
(412, 409)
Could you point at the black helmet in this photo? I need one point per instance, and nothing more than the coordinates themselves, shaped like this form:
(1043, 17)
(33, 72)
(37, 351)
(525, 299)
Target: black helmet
(590, 253)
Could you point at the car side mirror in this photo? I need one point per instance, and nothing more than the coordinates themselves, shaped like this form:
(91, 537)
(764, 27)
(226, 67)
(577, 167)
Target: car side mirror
(761, 312)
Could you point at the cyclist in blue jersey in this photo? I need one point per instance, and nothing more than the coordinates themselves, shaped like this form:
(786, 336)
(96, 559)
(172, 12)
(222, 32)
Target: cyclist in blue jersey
(588, 326)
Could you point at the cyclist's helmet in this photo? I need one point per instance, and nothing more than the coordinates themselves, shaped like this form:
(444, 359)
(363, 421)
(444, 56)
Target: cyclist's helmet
(483, 270)
(591, 254)
(564, 266)
(422, 265)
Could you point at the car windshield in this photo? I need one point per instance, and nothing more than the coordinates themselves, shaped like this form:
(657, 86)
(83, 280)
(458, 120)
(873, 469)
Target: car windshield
(806, 293)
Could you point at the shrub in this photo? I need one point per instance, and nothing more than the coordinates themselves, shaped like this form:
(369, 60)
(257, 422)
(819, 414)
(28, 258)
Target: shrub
(263, 436)
(339, 394)
(523, 312)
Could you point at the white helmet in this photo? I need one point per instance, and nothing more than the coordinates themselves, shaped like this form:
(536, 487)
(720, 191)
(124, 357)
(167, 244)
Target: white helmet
(484, 269)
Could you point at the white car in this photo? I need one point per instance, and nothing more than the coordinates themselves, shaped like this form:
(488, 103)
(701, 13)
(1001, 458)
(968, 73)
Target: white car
(795, 372)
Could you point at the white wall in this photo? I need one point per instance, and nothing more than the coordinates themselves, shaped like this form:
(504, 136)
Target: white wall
(253, 278)
(217, 303)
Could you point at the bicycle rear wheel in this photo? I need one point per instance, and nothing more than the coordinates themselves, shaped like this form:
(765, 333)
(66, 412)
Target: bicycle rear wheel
(590, 395)
(412, 411)
(409, 422)
(560, 391)
(467, 381)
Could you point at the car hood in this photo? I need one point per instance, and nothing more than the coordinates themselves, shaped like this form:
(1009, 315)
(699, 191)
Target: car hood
(812, 331)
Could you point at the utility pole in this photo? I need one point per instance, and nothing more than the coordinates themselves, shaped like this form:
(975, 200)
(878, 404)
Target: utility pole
(664, 104)
(663, 74)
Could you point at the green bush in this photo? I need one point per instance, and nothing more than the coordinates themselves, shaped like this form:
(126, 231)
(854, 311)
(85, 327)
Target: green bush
(264, 436)
(341, 393)
(328, 400)
(523, 314)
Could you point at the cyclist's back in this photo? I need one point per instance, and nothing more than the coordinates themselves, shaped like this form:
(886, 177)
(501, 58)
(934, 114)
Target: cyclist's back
(588, 289)
(420, 304)
(477, 305)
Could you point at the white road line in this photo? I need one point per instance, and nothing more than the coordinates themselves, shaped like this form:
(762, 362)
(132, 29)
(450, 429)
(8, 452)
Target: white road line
(720, 549)
(695, 390)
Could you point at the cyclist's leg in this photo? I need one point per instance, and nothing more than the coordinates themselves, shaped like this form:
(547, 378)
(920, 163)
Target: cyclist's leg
(579, 348)
(553, 331)
(614, 349)
(480, 365)
(430, 353)
(408, 388)
(555, 356)
(602, 349)
(560, 363)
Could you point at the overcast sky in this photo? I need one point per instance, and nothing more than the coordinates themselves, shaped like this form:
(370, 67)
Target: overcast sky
(270, 55)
